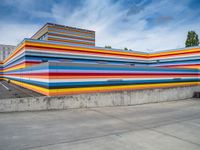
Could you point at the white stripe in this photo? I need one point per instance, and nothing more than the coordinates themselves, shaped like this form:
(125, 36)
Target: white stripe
(4, 86)
(173, 57)
(96, 79)
(88, 55)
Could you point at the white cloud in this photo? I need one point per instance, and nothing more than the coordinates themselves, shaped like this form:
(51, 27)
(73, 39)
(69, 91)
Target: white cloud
(107, 19)
(113, 26)
(12, 34)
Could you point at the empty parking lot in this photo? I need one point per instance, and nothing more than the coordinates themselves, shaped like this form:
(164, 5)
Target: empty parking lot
(9, 90)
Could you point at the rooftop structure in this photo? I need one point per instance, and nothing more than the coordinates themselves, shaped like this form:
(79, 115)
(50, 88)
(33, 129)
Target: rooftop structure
(65, 34)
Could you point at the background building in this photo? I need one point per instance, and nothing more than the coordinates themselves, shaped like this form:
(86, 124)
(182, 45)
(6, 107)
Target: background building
(65, 34)
(5, 51)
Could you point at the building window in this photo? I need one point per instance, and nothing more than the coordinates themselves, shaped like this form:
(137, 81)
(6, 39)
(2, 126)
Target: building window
(43, 37)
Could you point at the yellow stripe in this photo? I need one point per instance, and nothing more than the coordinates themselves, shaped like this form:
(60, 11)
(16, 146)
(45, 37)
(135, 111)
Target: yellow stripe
(114, 88)
(15, 68)
(16, 51)
(175, 52)
(82, 49)
(31, 87)
(64, 91)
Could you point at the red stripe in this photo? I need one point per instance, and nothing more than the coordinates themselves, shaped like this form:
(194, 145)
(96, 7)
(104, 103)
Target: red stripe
(179, 65)
(88, 52)
(103, 74)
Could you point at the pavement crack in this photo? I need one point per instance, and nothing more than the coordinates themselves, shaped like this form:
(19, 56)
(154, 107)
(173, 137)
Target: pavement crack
(111, 116)
(173, 136)
(76, 140)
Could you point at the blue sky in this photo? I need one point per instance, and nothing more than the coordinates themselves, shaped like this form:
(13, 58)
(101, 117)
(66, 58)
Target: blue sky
(142, 25)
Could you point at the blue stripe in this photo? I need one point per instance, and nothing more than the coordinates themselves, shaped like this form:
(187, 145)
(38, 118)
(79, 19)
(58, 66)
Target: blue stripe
(100, 83)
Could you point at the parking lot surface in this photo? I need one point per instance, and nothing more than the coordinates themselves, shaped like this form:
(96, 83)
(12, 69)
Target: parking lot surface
(160, 126)
(9, 90)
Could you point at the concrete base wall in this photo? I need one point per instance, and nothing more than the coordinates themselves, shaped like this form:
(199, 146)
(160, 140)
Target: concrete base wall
(123, 98)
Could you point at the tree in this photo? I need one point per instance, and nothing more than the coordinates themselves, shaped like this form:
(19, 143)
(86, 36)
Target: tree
(192, 39)
(108, 46)
(125, 48)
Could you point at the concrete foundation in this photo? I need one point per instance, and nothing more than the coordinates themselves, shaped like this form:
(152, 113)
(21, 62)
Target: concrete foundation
(123, 98)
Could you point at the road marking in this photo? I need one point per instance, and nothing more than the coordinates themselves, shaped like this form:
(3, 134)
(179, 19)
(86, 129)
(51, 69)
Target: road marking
(17, 88)
(4, 86)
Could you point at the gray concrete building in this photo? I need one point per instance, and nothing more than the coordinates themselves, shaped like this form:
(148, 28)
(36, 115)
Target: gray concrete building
(5, 51)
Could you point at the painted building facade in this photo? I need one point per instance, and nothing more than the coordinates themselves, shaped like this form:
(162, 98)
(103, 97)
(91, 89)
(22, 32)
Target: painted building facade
(59, 68)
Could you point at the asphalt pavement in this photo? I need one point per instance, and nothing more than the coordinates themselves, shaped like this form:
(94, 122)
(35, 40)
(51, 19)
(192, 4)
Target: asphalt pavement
(9, 90)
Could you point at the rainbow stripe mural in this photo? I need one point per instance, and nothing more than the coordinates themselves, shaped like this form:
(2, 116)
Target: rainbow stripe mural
(179, 58)
(59, 68)
(53, 78)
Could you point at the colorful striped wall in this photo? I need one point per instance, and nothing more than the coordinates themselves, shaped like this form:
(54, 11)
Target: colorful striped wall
(54, 68)
(75, 78)
(178, 58)
(36, 51)
(31, 52)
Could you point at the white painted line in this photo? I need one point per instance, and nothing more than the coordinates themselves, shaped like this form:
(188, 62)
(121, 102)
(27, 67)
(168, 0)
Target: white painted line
(19, 89)
(4, 86)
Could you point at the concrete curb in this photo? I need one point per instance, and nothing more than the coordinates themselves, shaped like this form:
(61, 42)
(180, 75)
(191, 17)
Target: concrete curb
(122, 98)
